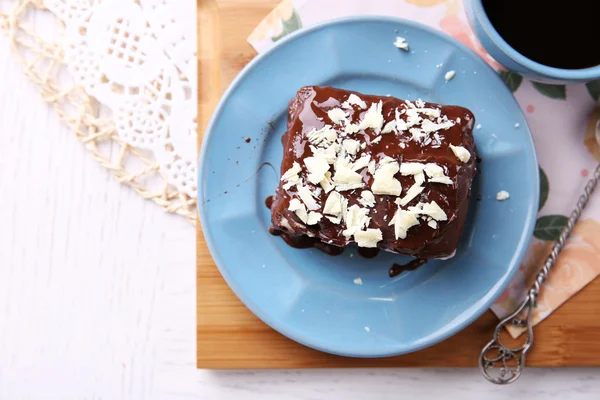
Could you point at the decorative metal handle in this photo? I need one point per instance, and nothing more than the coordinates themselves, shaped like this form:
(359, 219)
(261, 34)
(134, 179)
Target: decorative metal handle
(501, 364)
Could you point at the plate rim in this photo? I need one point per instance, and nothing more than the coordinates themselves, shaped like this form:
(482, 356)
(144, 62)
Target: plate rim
(282, 328)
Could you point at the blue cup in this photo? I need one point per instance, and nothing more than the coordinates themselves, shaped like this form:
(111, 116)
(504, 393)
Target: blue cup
(502, 52)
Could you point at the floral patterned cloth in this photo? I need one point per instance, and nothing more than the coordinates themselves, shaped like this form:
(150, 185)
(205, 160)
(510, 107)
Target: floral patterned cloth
(563, 121)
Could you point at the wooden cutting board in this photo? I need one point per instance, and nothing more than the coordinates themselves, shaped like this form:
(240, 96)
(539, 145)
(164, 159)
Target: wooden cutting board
(229, 336)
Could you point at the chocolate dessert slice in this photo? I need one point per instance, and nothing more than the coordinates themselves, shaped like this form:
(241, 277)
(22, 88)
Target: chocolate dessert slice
(376, 171)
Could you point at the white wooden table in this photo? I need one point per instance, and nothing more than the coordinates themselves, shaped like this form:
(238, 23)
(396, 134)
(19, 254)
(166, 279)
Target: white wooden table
(97, 291)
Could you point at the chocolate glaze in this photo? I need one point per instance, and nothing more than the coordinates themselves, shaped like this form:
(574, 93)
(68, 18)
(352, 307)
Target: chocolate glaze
(327, 248)
(308, 110)
(305, 242)
(397, 269)
(368, 252)
(269, 202)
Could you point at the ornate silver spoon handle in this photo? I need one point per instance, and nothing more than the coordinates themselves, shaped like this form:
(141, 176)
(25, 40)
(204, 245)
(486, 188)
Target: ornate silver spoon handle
(501, 364)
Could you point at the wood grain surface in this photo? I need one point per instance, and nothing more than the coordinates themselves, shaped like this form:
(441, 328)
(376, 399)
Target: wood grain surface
(229, 336)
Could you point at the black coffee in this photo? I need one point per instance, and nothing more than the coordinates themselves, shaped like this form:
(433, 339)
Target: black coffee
(561, 34)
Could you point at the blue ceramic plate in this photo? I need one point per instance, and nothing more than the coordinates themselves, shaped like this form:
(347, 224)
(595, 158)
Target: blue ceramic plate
(311, 297)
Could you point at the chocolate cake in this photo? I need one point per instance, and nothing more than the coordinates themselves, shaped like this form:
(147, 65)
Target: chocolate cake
(376, 171)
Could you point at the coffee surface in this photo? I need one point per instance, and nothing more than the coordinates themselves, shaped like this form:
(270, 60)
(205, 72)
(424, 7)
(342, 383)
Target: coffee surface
(557, 34)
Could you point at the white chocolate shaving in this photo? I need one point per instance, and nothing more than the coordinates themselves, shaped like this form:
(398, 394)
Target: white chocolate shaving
(461, 153)
(502, 195)
(317, 167)
(412, 192)
(384, 181)
(368, 237)
(313, 218)
(336, 115)
(354, 99)
(327, 183)
(401, 43)
(402, 221)
(367, 198)
(297, 207)
(351, 146)
(373, 118)
(389, 127)
(334, 204)
(356, 219)
(361, 162)
(307, 198)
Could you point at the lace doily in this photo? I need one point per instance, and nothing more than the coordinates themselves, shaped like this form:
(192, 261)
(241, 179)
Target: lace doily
(137, 58)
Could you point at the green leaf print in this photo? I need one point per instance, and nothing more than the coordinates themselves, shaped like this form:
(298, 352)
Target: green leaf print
(549, 227)
(289, 25)
(544, 188)
(512, 79)
(552, 91)
(593, 88)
